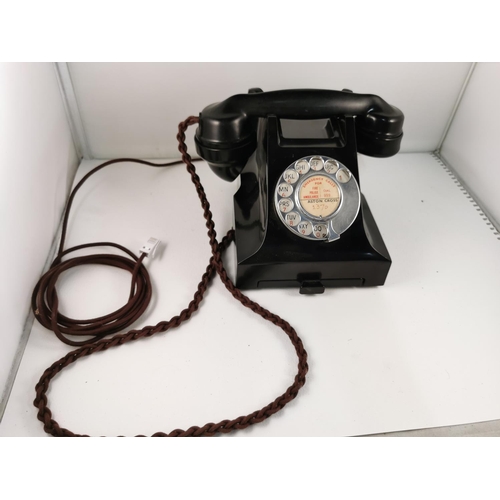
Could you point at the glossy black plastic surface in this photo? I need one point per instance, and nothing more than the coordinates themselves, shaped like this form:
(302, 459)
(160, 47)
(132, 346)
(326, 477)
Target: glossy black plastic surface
(257, 136)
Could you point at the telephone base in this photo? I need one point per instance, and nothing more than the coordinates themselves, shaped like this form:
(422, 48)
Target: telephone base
(269, 253)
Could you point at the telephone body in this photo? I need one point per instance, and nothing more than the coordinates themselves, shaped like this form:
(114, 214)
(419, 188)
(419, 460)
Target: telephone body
(300, 218)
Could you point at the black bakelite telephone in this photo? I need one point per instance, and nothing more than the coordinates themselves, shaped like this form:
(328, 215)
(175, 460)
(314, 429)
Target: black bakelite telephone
(300, 218)
(300, 221)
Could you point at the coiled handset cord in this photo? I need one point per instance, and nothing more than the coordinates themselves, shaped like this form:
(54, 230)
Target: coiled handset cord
(140, 295)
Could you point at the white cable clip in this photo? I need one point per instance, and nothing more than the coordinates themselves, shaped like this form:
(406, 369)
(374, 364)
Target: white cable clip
(149, 248)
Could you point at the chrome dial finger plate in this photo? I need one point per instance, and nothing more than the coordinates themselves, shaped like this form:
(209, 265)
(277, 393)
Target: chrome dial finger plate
(323, 194)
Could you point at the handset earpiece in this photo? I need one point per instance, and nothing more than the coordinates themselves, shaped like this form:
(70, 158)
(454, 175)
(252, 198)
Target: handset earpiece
(225, 139)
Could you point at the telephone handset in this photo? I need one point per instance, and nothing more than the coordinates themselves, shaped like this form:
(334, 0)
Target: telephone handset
(300, 218)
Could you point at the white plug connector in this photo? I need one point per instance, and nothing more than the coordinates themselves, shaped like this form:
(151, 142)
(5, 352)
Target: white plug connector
(149, 248)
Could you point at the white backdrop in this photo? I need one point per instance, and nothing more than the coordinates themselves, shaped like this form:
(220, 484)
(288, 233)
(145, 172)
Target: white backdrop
(472, 146)
(132, 109)
(38, 162)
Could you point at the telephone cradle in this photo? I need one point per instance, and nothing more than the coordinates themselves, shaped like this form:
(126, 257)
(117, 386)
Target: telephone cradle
(300, 218)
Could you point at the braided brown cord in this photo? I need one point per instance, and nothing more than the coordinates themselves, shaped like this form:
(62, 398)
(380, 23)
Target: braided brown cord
(45, 302)
(45, 415)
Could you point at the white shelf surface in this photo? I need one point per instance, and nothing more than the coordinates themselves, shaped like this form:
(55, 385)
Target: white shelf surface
(421, 351)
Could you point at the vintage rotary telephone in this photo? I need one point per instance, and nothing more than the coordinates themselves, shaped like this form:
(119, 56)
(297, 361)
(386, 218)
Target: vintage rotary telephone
(300, 218)
(300, 221)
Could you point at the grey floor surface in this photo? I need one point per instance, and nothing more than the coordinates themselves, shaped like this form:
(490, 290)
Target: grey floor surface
(480, 429)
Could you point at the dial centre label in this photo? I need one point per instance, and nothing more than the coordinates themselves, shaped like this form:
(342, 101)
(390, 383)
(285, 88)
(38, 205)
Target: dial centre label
(319, 196)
